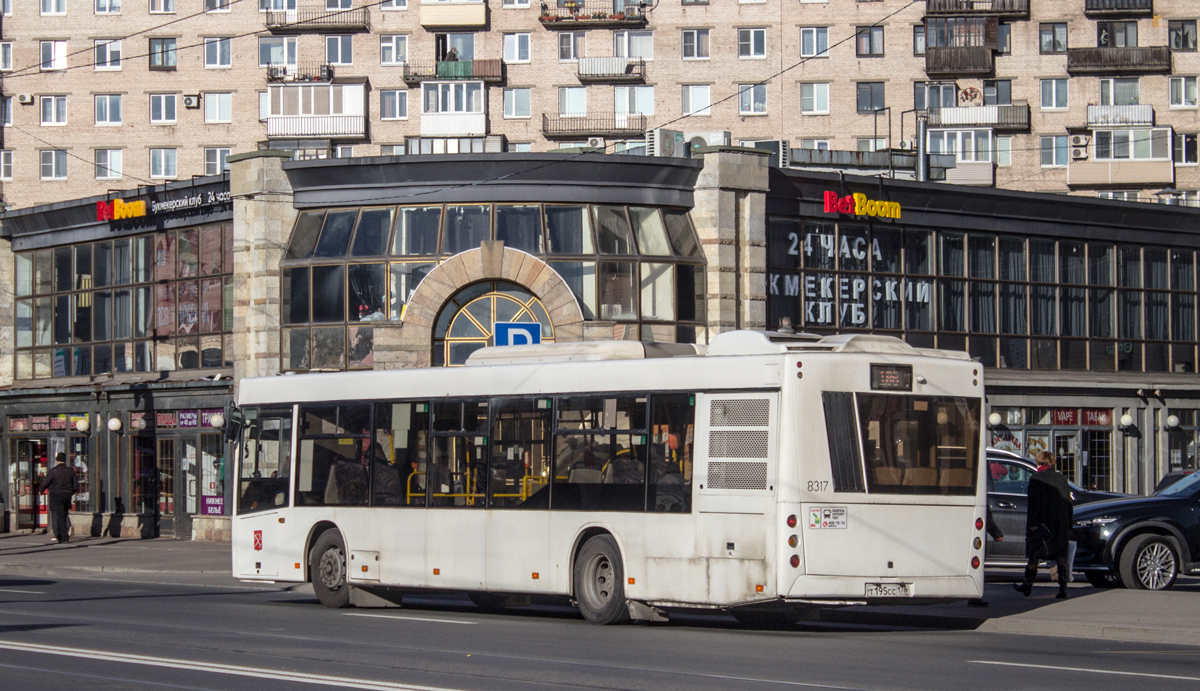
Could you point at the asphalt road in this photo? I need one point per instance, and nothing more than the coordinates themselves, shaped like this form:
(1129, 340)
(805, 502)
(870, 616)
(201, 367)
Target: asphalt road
(96, 634)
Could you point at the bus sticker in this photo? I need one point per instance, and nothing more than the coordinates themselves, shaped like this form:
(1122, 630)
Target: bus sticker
(827, 517)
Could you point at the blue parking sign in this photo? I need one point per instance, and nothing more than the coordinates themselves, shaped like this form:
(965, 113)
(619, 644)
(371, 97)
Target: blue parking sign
(517, 333)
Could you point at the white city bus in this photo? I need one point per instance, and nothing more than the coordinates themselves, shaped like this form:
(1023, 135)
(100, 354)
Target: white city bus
(763, 475)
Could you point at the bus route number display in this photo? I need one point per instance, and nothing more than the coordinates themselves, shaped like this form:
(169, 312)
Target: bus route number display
(891, 377)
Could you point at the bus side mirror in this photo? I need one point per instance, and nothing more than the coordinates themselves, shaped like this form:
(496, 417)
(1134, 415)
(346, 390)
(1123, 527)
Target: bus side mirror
(233, 427)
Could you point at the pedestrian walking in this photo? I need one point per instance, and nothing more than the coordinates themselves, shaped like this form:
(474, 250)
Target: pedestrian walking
(1048, 524)
(60, 484)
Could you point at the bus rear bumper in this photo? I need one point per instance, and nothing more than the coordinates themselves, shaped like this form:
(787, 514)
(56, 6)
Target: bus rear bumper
(898, 591)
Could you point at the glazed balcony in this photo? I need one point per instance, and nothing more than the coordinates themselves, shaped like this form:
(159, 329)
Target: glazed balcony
(1106, 116)
(300, 72)
(608, 125)
(599, 17)
(454, 14)
(1118, 8)
(324, 126)
(318, 20)
(958, 61)
(1010, 118)
(611, 70)
(1111, 60)
(491, 71)
(977, 8)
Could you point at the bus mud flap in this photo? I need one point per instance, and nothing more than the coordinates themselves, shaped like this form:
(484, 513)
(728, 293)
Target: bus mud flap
(374, 598)
(640, 611)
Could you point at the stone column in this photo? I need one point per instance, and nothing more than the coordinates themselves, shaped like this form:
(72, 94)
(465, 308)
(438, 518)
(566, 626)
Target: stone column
(263, 216)
(8, 317)
(730, 218)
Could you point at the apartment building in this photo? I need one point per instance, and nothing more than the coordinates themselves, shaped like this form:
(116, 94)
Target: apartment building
(1088, 97)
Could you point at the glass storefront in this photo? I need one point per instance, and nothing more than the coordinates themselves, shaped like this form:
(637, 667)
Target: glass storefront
(1080, 438)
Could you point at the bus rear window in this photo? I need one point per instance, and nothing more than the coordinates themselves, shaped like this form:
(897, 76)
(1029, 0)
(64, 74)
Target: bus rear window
(920, 444)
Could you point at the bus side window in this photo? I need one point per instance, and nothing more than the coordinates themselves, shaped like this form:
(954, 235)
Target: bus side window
(266, 455)
(457, 468)
(332, 466)
(672, 432)
(518, 473)
(594, 469)
(398, 458)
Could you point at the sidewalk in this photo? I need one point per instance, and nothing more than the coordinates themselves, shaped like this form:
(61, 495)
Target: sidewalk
(1115, 614)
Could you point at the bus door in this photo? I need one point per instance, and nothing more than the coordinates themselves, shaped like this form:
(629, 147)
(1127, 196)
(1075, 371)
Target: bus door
(735, 471)
(456, 485)
(264, 467)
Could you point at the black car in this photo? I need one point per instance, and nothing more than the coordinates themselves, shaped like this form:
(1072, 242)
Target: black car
(1170, 479)
(1142, 542)
(1008, 486)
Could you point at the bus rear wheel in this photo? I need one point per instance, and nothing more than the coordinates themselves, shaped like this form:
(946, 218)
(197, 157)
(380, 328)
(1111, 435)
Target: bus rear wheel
(327, 566)
(600, 582)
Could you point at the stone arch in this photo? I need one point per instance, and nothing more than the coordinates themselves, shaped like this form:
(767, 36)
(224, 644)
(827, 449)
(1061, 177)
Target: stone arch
(491, 261)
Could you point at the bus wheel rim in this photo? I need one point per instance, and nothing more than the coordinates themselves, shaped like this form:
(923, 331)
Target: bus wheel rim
(601, 580)
(333, 568)
(1156, 564)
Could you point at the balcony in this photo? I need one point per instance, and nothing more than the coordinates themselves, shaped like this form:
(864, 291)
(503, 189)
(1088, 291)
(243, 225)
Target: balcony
(611, 70)
(1118, 8)
(976, 8)
(609, 125)
(600, 17)
(490, 71)
(331, 126)
(1011, 118)
(301, 72)
(1123, 172)
(1141, 60)
(976, 173)
(1105, 116)
(318, 20)
(958, 61)
(462, 15)
(453, 124)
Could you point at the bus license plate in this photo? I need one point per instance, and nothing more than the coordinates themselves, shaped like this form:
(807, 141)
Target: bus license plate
(889, 590)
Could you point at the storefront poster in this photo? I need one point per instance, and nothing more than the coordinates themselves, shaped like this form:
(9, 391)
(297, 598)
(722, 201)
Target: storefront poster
(39, 423)
(18, 424)
(1065, 416)
(1007, 440)
(212, 506)
(206, 416)
(166, 419)
(188, 419)
(1037, 442)
(1097, 417)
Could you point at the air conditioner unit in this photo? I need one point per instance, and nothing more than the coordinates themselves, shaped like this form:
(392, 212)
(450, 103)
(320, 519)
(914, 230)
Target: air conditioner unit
(719, 138)
(25, 99)
(666, 143)
(595, 142)
(1080, 140)
(1080, 154)
(191, 101)
(780, 150)
(904, 145)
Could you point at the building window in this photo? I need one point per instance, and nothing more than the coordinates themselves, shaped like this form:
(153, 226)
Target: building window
(6, 103)
(1004, 151)
(441, 97)
(519, 147)
(276, 50)
(570, 45)
(1140, 144)
(216, 5)
(1054, 94)
(870, 97)
(162, 6)
(54, 110)
(54, 7)
(752, 43)
(997, 92)
(217, 53)
(634, 100)
(339, 50)
(264, 105)
(815, 144)
(955, 32)
(1182, 35)
(516, 47)
(162, 109)
(1116, 34)
(695, 44)
(393, 49)
(162, 53)
(968, 146)
(516, 3)
(1054, 151)
(1120, 92)
(307, 100)
(1004, 38)
(868, 144)
(108, 109)
(814, 99)
(572, 101)
(6, 164)
(697, 100)
(931, 95)
(162, 163)
(919, 39)
(108, 164)
(54, 164)
(54, 55)
(393, 104)
(1185, 149)
(516, 103)
(1183, 92)
(752, 99)
(868, 41)
(1053, 38)
(1120, 196)
(814, 42)
(108, 55)
(633, 44)
(218, 107)
(216, 161)
(6, 56)
(395, 5)
(392, 150)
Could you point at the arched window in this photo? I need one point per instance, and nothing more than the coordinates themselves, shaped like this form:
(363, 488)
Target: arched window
(467, 321)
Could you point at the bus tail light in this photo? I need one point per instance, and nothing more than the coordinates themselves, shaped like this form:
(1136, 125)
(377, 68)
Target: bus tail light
(974, 562)
(791, 521)
(978, 524)
(795, 561)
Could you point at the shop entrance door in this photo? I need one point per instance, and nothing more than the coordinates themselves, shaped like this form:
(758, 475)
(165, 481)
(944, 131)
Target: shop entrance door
(1066, 451)
(166, 486)
(188, 487)
(1097, 460)
(30, 467)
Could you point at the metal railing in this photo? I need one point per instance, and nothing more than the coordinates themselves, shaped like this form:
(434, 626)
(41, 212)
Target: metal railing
(958, 60)
(300, 72)
(1118, 6)
(1008, 8)
(611, 69)
(597, 17)
(318, 19)
(479, 70)
(1007, 117)
(1119, 60)
(316, 126)
(608, 125)
(1120, 115)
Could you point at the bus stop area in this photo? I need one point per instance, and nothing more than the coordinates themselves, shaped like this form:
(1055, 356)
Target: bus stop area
(1117, 614)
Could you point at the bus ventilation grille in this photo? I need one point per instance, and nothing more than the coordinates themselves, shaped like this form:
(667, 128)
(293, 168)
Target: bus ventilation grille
(750, 412)
(737, 443)
(737, 475)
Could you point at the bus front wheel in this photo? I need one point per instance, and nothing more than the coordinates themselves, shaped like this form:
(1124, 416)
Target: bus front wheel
(327, 565)
(600, 582)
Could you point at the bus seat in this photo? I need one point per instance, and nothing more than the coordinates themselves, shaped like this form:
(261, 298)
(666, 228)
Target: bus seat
(925, 477)
(955, 477)
(589, 476)
(888, 476)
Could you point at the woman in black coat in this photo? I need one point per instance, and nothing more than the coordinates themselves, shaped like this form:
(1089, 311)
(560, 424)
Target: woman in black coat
(1048, 523)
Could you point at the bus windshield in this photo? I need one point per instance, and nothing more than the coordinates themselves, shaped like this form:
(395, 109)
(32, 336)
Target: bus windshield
(919, 444)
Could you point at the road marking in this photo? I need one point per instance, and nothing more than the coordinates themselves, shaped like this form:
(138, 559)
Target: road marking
(1089, 671)
(235, 670)
(23, 592)
(393, 616)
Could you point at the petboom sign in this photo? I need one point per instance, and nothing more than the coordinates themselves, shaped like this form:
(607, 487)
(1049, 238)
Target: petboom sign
(119, 209)
(859, 205)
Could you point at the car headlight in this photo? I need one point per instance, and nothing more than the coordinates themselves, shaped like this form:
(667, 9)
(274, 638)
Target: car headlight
(1095, 522)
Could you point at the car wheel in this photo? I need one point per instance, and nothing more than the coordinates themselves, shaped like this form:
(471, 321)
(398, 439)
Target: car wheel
(1102, 579)
(600, 582)
(1149, 562)
(327, 565)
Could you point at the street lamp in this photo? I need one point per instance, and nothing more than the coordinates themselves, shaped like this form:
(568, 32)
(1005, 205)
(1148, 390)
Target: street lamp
(114, 424)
